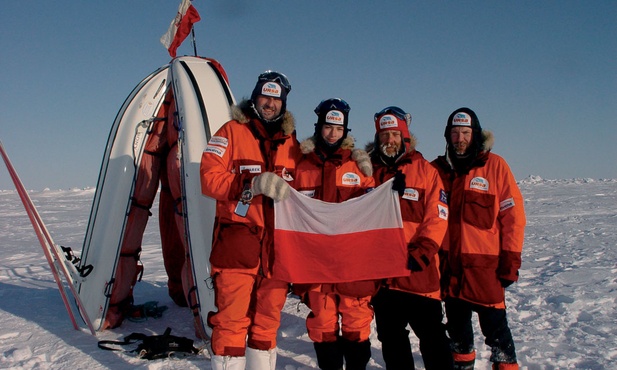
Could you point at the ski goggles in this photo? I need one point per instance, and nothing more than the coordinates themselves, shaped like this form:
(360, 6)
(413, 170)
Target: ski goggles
(332, 104)
(273, 76)
(395, 111)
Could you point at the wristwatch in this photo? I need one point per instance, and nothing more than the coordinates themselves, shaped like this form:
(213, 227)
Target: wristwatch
(247, 195)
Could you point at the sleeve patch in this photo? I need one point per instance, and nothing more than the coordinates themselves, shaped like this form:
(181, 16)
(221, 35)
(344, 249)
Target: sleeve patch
(219, 140)
(508, 203)
(443, 197)
(215, 150)
(443, 212)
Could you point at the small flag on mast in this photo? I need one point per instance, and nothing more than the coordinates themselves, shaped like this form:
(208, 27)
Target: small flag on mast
(180, 27)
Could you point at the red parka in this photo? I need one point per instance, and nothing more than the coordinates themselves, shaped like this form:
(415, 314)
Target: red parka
(486, 228)
(334, 179)
(239, 151)
(425, 213)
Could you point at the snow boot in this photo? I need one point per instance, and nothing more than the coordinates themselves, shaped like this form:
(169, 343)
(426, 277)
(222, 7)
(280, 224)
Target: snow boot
(227, 362)
(464, 361)
(505, 366)
(357, 354)
(257, 359)
(329, 355)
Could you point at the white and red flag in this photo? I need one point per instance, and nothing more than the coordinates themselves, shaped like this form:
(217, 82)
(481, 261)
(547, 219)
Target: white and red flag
(359, 239)
(180, 27)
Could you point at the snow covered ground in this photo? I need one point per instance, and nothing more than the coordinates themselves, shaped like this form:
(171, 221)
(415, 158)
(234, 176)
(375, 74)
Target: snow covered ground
(563, 311)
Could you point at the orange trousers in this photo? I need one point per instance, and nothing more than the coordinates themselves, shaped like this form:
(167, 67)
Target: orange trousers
(247, 305)
(355, 314)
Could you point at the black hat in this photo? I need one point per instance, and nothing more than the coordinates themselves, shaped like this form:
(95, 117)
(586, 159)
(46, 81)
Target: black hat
(332, 111)
(465, 117)
(274, 84)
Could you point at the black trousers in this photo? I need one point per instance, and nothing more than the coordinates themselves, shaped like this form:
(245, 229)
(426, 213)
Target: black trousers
(493, 324)
(393, 311)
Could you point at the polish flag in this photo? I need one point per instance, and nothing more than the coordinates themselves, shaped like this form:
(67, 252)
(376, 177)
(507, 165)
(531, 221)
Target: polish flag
(180, 27)
(359, 239)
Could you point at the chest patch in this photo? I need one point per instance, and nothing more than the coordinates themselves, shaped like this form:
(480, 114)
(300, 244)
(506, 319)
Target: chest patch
(251, 169)
(479, 183)
(350, 179)
(411, 194)
(286, 175)
(308, 193)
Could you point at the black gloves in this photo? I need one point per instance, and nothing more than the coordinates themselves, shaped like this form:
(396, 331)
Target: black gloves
(413, 265)
(505, 282)
(399, 183)
(416, 261)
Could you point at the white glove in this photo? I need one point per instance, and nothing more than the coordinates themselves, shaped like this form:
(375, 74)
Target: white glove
(270, 185)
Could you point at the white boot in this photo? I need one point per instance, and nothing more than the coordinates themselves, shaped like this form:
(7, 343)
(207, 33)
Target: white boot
(260, 360)
(227, 362)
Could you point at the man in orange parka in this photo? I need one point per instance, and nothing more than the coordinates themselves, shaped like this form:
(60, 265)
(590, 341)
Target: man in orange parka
(246, 166)
(331, 171)
(414, 299)
(483, 246)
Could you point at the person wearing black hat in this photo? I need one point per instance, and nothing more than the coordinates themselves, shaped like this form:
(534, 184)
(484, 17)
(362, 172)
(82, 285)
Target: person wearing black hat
(415, 299)
(333, 171)
(482, 250)
(246, 166)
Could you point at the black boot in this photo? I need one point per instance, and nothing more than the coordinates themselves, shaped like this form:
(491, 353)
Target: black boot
(357, 354)
(329, 355)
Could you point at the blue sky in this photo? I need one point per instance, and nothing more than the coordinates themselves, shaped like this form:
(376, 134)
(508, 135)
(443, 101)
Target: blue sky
(542, 75)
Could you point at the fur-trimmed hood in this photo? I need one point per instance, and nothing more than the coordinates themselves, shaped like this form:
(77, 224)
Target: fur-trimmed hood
(308, 145)
(487, 145)
(242, 112)
(489, 140)
(361, 157)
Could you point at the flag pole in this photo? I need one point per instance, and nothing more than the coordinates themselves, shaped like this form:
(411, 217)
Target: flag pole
(194, 43)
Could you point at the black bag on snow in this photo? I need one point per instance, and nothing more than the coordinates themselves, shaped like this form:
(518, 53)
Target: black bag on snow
(154, 346)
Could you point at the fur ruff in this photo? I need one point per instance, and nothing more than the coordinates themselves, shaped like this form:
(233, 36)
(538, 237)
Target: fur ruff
(238, 114)
(360, 156)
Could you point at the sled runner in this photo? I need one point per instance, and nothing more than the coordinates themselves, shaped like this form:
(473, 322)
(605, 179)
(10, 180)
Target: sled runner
(114, 188)
(203, 100)
(200, 99)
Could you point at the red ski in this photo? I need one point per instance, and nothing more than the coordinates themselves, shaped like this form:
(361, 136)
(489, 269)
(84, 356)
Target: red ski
(53, 252)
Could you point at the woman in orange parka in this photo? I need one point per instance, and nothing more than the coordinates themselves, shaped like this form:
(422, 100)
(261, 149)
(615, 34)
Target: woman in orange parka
(331, 171)
(482, 249)
(413, 299)
(246, 165)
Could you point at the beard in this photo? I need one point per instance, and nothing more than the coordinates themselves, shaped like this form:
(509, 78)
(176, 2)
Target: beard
(392, 152)
(460, 149)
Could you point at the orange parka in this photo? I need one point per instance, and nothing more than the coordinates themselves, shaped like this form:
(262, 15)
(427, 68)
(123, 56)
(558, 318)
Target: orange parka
(240, 150)
(334, 179)
(424, 210)
(486, 228)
